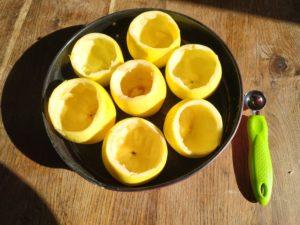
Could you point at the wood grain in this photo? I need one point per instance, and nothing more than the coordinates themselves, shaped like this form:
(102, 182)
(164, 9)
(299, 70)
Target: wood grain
(267, 50)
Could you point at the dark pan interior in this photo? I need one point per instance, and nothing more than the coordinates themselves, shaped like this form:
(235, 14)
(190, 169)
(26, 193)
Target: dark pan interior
(86, 159)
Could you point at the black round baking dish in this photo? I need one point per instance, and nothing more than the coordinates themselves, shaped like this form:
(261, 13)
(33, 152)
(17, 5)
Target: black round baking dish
(228, 99)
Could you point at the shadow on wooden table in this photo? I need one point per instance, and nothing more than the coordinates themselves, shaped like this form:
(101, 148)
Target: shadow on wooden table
(240, 151)
(277, 9)
(21, 98)
(20, 204)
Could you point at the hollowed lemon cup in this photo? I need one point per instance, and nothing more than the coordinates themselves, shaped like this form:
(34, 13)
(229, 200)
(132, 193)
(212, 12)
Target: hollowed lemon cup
(193, 128)
(193, 71)
(138, 88)
(95, 56)
(81, 111)
(153, 36)
(134, 151)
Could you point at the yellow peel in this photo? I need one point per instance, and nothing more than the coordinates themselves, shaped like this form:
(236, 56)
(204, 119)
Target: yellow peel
(134, 151)
(153, 36)
(96, 56)
(193, 128)
(138, 88)
(81, 110)
(193, 71)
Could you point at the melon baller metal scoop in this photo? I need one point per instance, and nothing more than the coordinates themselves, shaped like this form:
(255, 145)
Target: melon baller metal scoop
(259, 160)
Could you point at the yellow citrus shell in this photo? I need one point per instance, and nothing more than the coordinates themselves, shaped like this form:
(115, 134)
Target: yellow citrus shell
(81, 110)
(193, 128)
(153, 36)
(134, 151)
(138, 88)
(95, 56)
(193, 71)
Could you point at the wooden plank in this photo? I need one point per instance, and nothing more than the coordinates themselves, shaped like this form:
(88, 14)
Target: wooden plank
(267, 51)
(11, 21)
(27, 152)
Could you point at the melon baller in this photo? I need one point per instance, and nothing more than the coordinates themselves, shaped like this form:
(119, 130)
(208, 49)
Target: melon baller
(259, 159)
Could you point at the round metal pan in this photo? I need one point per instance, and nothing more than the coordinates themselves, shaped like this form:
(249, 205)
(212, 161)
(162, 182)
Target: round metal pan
(228, 99)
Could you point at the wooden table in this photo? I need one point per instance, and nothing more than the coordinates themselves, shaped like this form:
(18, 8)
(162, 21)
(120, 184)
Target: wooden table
(37, 188)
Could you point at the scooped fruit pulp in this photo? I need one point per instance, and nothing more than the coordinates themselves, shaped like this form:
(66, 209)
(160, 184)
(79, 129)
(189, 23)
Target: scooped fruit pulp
(134, 151)
(189, 71)
(139, 150)
(198, 129)
(80, 107)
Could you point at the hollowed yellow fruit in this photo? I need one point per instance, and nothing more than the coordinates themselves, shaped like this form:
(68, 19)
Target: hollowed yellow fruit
(193, 71)
(134, 151)
(81, 110)
(193, 128)
(96, 56)
(153, 36)
(138, 88)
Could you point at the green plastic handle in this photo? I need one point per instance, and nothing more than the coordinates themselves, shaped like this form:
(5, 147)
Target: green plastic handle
(260, 164)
